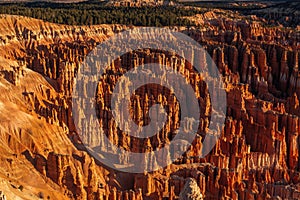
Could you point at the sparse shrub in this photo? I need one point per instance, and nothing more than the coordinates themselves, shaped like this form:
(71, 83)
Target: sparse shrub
(41, 195)
(21, 187)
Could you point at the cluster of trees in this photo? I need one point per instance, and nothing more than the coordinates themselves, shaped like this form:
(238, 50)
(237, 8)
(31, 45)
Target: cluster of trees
(92, 13)
(226, 5)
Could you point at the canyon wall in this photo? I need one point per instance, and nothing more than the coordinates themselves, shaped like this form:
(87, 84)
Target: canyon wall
(255, 158)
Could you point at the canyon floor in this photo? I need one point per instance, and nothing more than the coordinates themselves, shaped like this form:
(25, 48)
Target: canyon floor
(256, 157)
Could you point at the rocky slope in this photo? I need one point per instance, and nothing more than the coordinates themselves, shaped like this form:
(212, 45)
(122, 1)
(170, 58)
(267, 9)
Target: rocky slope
(257, 156)
(284, 13)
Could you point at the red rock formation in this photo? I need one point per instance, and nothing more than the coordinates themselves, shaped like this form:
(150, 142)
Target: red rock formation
(255, 158)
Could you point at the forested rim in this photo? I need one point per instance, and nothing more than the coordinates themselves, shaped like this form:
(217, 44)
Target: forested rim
(98, 13)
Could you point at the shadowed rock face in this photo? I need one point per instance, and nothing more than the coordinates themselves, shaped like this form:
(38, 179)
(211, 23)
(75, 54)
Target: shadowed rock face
(257, 156)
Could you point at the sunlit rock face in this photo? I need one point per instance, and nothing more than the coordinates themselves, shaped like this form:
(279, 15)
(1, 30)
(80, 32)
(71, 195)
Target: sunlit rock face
(257, 156)
(191, 191)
